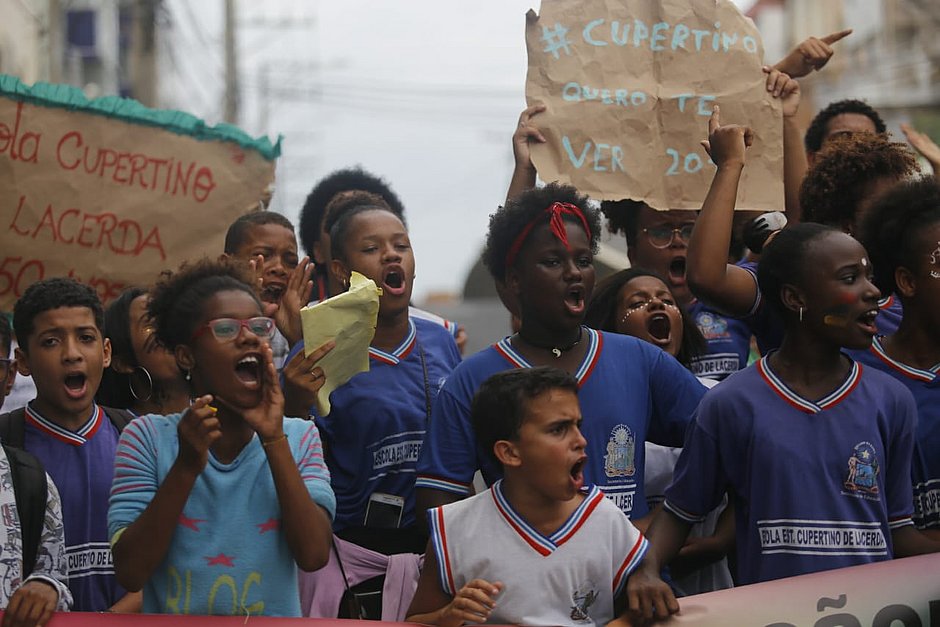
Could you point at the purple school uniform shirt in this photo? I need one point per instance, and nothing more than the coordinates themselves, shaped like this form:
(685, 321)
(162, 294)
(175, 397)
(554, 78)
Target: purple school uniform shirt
(925, 467)
(817, 484)
(81, 464)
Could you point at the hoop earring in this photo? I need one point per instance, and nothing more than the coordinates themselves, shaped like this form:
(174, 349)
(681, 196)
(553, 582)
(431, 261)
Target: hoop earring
(130, 385)
(801, 314)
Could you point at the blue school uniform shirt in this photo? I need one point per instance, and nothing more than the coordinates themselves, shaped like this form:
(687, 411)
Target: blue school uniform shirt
(81, 464)
(630, 392)
(229, 554)
(377, 422)
(728, 342)
(817, 484)
(925, 468)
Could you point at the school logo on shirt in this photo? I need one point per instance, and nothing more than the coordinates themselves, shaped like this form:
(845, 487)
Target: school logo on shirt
(619, 460)
(712, 327)
(583, 599)
(862, 475)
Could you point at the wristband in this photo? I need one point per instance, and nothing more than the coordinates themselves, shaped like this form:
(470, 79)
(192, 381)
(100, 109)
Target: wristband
(267, 443)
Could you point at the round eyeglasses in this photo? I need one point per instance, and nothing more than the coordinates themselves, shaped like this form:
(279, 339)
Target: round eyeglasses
(661, 236)
(227, 329)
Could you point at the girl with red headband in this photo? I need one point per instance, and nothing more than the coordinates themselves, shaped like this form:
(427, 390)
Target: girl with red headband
(541, 245)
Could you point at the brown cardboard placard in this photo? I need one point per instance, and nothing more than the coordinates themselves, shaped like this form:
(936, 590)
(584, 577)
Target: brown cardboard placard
(629, 86)
(113, 199)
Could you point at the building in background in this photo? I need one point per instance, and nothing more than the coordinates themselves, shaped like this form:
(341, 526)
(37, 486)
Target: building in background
(105, 47)
(891, 60)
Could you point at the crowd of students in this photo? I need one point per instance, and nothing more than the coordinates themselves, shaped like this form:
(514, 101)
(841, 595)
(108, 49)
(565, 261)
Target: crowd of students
(174, 461)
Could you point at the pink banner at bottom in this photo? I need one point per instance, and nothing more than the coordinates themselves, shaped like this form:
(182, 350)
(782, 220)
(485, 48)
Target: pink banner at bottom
(896, 593)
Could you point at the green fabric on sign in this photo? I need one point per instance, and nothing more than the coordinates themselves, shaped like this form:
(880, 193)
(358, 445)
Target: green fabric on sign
(72, 98)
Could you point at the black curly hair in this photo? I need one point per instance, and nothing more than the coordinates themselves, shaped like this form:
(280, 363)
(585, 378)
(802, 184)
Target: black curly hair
(602, 312)
(511, 219)
(843, 172)
(348, 179)
(891, 231)
(51, 294)
(818, 128)
(783, 261)
(623, 217)
(176, 300)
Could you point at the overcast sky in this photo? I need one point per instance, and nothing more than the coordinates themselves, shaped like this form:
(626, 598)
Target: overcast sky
(424, 93)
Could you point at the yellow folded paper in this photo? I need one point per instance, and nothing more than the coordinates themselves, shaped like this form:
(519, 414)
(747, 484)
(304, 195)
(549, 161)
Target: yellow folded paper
(349, 320)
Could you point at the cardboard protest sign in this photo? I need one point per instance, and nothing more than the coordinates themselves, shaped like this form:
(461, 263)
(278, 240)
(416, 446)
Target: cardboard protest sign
(629, 86)
(112, 193)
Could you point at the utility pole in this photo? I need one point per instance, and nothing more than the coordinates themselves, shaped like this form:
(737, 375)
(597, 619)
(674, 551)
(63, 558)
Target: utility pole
(143, 57)
(231, 65)
(55, 39)
(264, 93)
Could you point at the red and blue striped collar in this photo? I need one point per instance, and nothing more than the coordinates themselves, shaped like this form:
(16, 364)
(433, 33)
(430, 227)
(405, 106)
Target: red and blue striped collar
(546, 545)
(401, 352)
(908, 371)
(797, 401)
(75, 438)
(595, 342)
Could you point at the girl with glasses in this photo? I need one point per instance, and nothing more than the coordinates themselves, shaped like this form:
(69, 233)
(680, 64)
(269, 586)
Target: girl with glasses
(229, 494)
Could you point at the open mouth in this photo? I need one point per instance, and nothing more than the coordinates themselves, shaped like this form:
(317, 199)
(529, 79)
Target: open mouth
(677, 270)
(574, 300)
(75, 385)
(660, 328)
(248, 370)
(394, 281)
(577, 472)
(867, 321)
(272, 292)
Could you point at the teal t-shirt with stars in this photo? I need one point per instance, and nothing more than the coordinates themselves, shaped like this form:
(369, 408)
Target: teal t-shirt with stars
(228, 555)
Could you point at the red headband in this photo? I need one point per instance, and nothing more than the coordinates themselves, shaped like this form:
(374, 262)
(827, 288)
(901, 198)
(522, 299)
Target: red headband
(555, 222)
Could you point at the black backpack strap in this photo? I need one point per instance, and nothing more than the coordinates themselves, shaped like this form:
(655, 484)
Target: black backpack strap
(13, 427)
(120, 418)
(31, 490)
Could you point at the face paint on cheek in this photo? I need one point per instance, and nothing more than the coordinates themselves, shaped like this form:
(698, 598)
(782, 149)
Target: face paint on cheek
(837, 316)
(848, 298)
(835, 320)
(631, 312)
(934, 259)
